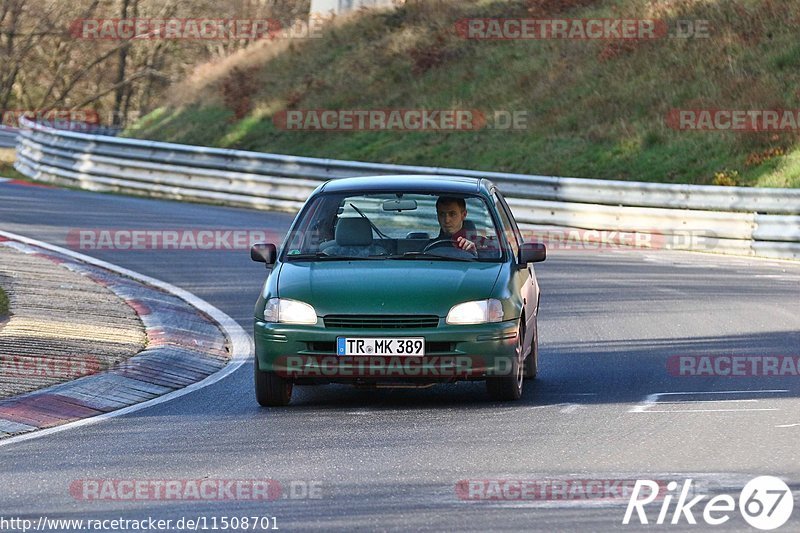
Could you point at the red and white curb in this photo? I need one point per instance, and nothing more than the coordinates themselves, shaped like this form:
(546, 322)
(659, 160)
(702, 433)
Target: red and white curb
(191, 345)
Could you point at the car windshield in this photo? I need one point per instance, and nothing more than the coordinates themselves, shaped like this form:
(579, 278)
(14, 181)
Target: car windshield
(395, 226)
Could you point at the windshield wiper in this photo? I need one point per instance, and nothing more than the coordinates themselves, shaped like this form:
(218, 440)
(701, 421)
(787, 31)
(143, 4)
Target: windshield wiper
(325, 257)
(379, 232)
(423, 255)
(316, 255)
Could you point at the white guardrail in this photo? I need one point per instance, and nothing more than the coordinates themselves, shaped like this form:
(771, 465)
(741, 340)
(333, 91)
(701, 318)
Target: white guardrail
(8, 137)
(737, 220)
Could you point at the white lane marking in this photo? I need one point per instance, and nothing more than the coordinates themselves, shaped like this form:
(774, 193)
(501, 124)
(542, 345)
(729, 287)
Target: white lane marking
(241, 343)
(731, 260)
(653, 399)
(681, 402)
(564, 407)
(787, 425)
(708, 410)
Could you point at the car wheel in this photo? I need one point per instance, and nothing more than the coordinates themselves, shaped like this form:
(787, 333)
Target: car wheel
(509, 388)
(532, 361)
(272, 390)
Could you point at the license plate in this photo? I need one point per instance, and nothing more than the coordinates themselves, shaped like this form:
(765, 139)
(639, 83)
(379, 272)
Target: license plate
(401, 346)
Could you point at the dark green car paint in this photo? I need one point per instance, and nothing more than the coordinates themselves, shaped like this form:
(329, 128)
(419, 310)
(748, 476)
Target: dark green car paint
(386, 286)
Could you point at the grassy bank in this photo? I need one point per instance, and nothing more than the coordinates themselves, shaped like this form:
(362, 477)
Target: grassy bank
(7, 169)
(3, 304)
(595, 108)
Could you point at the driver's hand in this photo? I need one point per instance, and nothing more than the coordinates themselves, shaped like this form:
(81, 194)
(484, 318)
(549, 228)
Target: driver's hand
(467, 245)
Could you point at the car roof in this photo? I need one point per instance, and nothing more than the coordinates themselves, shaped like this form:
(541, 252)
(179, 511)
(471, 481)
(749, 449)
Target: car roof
(416, 183)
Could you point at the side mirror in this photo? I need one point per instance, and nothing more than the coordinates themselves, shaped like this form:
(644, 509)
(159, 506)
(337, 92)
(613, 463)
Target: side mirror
(262, 252)
(532, 252)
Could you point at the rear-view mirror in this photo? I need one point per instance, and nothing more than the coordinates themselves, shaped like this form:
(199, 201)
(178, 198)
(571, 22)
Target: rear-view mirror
(399, 205)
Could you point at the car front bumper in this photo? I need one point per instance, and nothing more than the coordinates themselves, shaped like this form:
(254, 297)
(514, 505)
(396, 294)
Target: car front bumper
(307, 354)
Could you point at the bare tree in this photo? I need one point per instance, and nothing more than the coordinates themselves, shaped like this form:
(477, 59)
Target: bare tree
(45, 64)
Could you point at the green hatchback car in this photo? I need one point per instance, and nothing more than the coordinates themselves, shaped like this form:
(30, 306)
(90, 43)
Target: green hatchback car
(398, 281)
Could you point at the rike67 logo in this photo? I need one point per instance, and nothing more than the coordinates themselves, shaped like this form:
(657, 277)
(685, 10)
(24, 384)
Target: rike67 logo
(765, 503)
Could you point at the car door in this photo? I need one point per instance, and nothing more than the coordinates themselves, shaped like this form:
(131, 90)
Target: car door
(524, 278)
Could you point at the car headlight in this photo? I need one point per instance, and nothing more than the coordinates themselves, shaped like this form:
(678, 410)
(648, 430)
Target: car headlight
(289, 312)
(476, 312)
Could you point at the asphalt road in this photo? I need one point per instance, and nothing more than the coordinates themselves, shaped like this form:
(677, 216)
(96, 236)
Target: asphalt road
(390, 460)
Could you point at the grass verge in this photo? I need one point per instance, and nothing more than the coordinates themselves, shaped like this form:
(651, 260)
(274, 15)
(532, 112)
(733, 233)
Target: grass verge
(3, 304)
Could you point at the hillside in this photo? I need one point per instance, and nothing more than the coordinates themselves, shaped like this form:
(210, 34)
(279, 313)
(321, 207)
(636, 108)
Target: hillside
(595, 108)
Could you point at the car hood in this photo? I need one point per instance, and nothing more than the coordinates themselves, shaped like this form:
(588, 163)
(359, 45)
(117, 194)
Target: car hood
(386, 286)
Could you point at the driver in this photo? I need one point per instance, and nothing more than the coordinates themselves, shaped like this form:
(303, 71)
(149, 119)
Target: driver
(451, 213)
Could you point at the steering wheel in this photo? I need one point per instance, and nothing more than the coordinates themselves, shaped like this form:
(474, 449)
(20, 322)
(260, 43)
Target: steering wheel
(442, 242)
(437, 242)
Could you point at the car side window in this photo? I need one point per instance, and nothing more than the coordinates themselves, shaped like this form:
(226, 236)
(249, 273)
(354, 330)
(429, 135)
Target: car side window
(509, 228)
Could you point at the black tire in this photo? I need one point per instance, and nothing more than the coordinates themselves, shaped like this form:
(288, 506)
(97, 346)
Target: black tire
(271, 389)
(532, 361)
(509, 388)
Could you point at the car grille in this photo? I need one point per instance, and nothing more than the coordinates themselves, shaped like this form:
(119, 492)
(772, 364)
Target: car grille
(381, 321)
